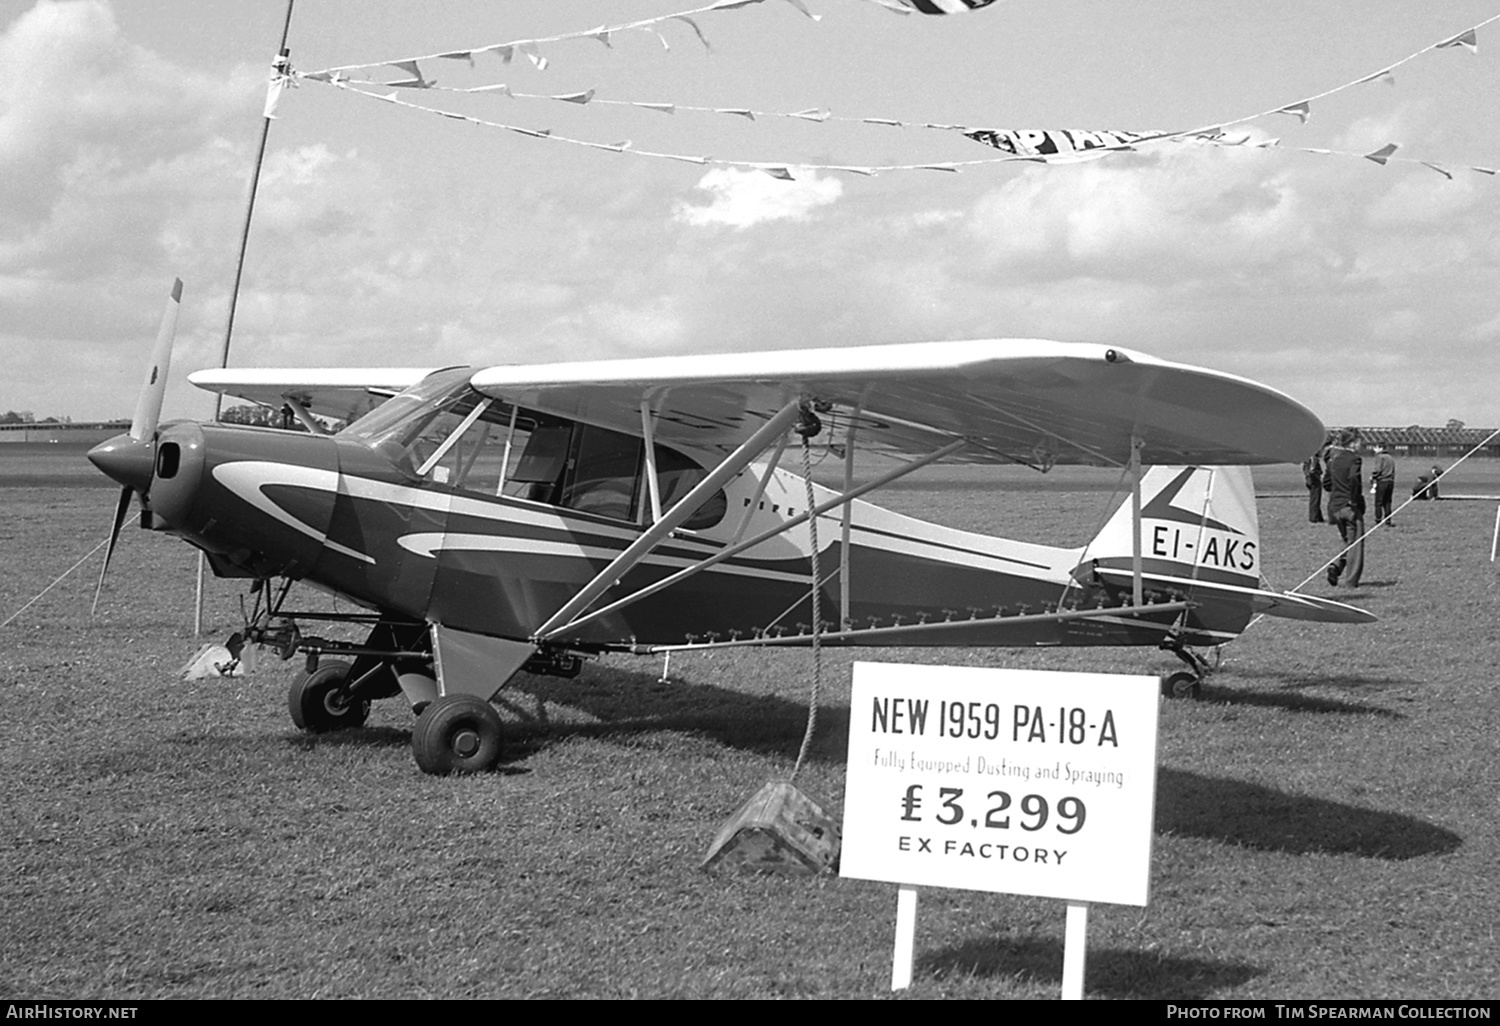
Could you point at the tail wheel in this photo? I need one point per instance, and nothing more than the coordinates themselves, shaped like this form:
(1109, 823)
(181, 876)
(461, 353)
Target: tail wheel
(1181, 685)
(319, 701)
(456, 734)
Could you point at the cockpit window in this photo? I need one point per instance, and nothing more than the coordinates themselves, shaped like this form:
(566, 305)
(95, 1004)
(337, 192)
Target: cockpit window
(443, 431)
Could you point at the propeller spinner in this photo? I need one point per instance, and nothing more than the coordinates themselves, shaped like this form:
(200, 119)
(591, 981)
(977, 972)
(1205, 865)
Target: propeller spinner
(131, 458)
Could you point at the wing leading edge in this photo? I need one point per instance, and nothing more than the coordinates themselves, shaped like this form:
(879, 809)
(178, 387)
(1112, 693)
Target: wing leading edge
(1016, 400)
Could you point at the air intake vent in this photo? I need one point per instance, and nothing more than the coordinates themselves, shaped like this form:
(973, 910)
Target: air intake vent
(168, 458)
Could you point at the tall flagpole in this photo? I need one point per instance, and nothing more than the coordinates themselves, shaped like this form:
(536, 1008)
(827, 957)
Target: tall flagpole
(280, 67)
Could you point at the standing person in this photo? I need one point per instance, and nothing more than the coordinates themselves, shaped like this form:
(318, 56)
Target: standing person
(1344, 484)
(1312, 477)
(1383, 483)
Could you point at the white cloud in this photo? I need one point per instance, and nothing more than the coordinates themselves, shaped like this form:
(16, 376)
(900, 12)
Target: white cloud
(745, 198)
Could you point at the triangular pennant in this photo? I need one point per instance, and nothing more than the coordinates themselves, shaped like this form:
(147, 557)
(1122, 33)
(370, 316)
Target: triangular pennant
(881, 121)
(740, 111)
(1440, 170)
(410, 67)
(583, 97)
(534, 55)
(460, 55)
(539, 134)
(696, 30)
(1301, 111)
(1379, 76)
(1485, 170)
(602, 34)
(665, 108)
(1383, 154)
(778, 172)
(937, 167)
(803, 8)
(505, 52)
(1468, 40)
(498, 88)
(813, 114)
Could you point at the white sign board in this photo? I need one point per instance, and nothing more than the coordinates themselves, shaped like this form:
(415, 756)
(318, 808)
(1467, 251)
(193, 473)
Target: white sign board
(1018, 781)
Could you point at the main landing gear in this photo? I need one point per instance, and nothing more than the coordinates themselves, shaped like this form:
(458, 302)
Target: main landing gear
(448, 677)
(456, 734)
(320, 699)
(1184, 683)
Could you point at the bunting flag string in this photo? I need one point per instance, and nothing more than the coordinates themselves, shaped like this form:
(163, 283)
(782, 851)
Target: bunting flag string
(1302, 109)
(591, 96)
(531, 48)
(1034, 145)
(1125, 141)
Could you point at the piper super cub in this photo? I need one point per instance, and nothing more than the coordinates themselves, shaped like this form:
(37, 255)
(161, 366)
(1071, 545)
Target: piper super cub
(524, 517)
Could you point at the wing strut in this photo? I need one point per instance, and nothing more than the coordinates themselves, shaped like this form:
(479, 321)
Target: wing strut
(848, 524)
(549, 632)
(1137, 590)
(652, 486)
(659, 531)
(760, 490)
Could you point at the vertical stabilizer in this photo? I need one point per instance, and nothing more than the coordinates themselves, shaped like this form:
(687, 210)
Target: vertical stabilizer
(1198, 524)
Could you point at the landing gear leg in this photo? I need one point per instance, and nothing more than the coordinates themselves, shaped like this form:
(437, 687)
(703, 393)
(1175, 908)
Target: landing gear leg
(1184, 683)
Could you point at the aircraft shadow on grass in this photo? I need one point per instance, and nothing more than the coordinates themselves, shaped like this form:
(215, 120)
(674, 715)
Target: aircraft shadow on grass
(1252, 816)
(1111, 972)
(619, 703)
(1292, 693)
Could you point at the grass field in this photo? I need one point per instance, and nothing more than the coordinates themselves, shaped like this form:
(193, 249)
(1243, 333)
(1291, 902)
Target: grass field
(1327, 819)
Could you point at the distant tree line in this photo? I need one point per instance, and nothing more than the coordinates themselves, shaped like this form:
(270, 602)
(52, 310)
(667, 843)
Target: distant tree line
(27, 417)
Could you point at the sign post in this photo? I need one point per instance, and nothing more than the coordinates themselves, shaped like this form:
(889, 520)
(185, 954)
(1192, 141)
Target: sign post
(1029, 782)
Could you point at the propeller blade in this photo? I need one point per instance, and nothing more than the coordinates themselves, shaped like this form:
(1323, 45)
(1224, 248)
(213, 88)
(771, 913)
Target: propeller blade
(148, 405)
(121, 509)
(130, 459)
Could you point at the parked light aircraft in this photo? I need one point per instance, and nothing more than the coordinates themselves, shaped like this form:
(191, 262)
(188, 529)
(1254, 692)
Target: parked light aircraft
(522, 518)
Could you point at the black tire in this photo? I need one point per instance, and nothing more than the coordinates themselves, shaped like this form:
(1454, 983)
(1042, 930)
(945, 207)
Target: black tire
(318, 703)
(457, 734)
(1181, 685)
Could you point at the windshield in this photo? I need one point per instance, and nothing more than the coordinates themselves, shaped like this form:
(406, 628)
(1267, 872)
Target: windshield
(442, 431)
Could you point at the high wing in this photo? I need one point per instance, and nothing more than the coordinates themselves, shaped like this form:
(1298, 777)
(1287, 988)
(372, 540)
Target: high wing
(1015, 400)
(340, 393)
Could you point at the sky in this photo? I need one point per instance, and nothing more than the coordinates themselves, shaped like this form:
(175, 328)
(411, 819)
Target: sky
(386, 235)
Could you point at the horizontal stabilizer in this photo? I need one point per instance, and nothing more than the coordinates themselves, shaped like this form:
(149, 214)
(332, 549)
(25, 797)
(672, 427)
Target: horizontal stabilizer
(1290, 606)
